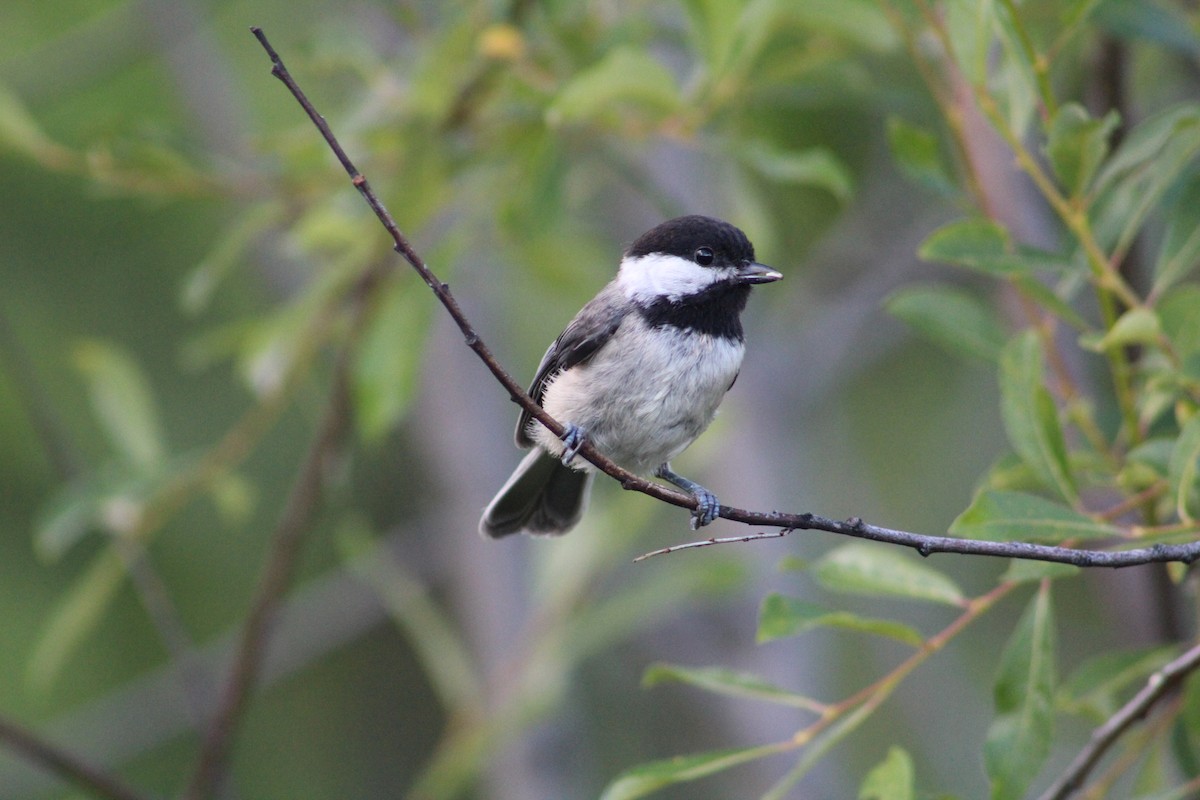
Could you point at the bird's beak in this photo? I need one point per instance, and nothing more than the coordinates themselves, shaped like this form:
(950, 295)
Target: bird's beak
(753, 272)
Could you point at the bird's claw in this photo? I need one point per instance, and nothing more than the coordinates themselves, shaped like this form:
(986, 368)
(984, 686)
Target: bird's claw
(707, 508)
(573, 439)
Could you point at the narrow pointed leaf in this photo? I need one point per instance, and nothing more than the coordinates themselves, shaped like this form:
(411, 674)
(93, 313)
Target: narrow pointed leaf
(384, 375)
(1017, 516)
(1135, 326)
(1138, 177)
(627, 75)
(1183, 471)
(781, 616)
(1019, 737)
(1049, 300)
(122, 402)
(974, 243)
(1180, 251)
(1077, 145)
(68, 516)
(986, 246)
(916, 152)
(871, 569)
(77, 615)
(1100, 684)
(727, 682)
(1030, 416)
(1153, 21)
(1148, 139)
(1022, 570)
(815, 166)
(647, 778)
(951, 318)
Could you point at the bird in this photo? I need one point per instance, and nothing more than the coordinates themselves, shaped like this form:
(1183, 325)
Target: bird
(638, 373)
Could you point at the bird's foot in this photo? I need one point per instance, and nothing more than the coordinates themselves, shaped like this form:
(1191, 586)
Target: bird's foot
(573, 439)
(707, 506)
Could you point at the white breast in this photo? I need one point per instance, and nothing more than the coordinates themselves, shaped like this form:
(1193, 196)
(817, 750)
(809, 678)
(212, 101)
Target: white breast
(646, 395)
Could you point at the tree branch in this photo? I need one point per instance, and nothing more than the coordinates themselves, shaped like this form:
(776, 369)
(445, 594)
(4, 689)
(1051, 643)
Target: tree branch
(925, 545)
(1159, 684)
(64, 764)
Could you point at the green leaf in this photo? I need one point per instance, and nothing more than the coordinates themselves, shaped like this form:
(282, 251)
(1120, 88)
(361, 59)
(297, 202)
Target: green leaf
(1077, 145)
(791, 563)
(646, 778)
(861, 22)
(969, 243)
(870, 569)
(1016, 516)
(1152, 21)
(384, 375)
(1184, 468)
(727, 682)
(1015, 83)
(1022, 570)
(894, 778)
(1030, 416)
(122, 402)
(1179, 310)
(1019, 737)
(715, 27)
(953, 318)
(1050, 300)
(1135, 326)
(780, 617)
(1147, 140)
(1180, 250)
(68, 516)
(77, 614)
(1094, 687)
(626, 75)
(984, 245)
(917, 154)
(1186, 732)
(815, 166)
(201, 284)
(1149, 163)
(19, 131)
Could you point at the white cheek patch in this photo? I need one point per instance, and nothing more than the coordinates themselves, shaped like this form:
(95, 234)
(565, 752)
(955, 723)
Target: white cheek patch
(657, 275)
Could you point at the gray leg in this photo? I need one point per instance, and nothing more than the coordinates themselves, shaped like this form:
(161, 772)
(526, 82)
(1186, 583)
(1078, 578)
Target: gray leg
(573, 438)
(707, 506)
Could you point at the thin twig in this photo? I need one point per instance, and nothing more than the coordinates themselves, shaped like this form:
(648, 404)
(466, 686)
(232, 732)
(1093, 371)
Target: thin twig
(753, 537)
(1159, 684)
(64, 764)
(925, 545)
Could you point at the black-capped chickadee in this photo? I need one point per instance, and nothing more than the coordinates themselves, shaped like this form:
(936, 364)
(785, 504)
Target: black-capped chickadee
(639, 373)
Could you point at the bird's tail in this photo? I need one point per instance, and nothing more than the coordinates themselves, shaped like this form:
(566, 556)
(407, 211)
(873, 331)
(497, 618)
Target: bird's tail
(542, 497)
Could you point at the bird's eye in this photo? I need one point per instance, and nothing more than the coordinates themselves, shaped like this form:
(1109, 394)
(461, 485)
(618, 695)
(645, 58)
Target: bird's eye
(703, 256)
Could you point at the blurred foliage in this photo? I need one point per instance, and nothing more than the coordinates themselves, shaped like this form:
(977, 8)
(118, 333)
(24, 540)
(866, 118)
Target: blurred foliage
(181, 261)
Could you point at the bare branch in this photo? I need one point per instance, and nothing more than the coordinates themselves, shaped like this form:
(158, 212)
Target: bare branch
(925, 545)
(64, 764)
(751, 537)
(1159, 684)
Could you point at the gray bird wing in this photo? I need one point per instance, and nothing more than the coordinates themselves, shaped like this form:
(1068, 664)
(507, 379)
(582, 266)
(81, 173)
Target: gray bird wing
(591, 329)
